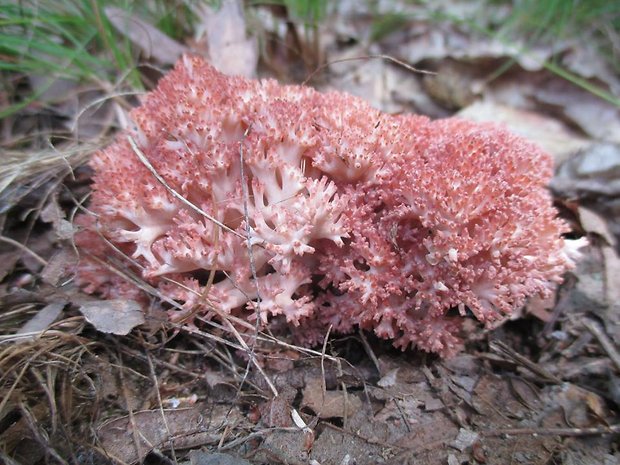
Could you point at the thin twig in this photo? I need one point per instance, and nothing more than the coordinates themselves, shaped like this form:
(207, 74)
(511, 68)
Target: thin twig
(135, 432)
(503, 349)
(161, 406)
(22, 247)
(97, 101)
(603, 340)
(612, 429)
(173, 192)
(248, 230)
(370, 352)
(369, 57)
(323, 380)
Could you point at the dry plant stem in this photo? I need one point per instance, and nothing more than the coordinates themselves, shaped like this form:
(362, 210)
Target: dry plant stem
(368, 57)
(132, 419)
(374, 440)
(141, 285)
(178, 196)
(370, 352)
(43, 441)
(303, 350)
(561, 306)
(603, 340)
(402, 414)
(502, 349)
(237, 442)
(218, 339)
(163, 363)
(594, 431)
(174, 193)
(7, 395)
(225, 360)
(345, 410)
(113, 96)
(7, 460)
(242, 346)
(44, 382)
(161, 406)
(228, 324)
(152, 291)
(250, 351)
(14, 338)
(248, 231)
(323, 350)
(22, 247)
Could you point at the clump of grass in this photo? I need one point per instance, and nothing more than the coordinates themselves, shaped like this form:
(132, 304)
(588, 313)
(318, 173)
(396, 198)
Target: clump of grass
(309, 11)
(592, 22)
(559, 19)
(385, 24)
(56, 40)
(74, 40)
(50, 53)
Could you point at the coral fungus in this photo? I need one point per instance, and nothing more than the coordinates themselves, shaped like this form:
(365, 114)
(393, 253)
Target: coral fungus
(327, 212)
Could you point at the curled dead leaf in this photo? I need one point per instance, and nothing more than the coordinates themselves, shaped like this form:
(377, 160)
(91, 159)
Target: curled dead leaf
(42, 319)
(153, 43)
(113, 316)
(224, 31)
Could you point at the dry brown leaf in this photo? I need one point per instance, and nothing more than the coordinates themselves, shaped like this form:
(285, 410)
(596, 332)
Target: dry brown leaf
(60, 267)
(549, 133)
(181, 428)
(611, 316)
(465, 439)
(52, 213)
(276, 412)
(586, 60)
(113, 316)
(43, 319)
(389, 379)
(592, 222)
(8, 261)
(283, 447)
(198, 457)
(224, 31)
(330, 404)
(596, 117)
(428, 40)
(594, 171)
(153, 43)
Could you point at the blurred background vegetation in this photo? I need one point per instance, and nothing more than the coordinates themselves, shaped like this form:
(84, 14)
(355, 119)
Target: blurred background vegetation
(75, 40)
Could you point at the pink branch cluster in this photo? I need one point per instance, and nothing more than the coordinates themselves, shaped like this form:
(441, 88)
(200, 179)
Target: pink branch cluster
(356, 218)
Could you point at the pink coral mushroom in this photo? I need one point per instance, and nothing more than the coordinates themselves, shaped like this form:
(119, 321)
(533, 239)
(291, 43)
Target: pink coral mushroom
(356, 218)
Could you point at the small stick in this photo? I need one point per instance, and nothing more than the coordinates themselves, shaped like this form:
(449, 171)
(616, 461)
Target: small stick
(22, 247)
(370, 352)
(612, 429)
(369, 57)
(501, 348)
(603, 340)
(178, 196)
(161, 405)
